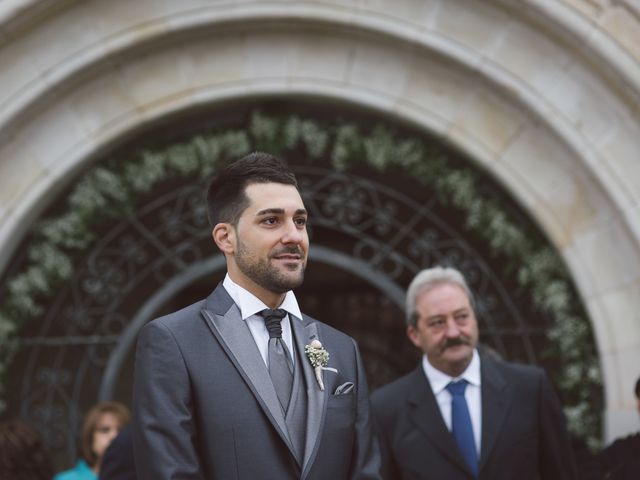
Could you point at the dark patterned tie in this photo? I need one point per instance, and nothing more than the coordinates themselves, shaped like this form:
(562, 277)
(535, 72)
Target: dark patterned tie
(280, 364)
(461, 425)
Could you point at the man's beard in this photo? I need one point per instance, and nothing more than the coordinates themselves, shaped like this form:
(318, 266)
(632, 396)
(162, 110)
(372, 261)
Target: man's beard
(264, 274)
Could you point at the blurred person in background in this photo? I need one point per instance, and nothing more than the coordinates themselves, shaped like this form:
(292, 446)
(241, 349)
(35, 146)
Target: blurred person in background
(101, 425)
(23, 455)
(621, 459)
(462, 414)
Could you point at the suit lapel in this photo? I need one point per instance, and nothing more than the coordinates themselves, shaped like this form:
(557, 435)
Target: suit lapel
(424, 412)
(304, 332)
(495, 404)
(225, 321)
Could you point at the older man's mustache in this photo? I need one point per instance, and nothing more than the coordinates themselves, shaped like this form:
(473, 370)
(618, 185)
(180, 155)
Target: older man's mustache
(455, 342)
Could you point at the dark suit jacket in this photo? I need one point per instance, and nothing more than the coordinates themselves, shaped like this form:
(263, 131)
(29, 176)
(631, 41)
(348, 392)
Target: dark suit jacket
(205, 407)
(118, 463)
(523, 429)
(621, 459)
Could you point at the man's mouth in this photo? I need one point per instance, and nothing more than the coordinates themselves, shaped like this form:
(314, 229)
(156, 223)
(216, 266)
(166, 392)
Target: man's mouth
(292, 256)
(288, 257)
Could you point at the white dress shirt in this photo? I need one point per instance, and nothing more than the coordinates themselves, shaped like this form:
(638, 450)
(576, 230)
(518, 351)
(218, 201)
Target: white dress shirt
(439, 381)
(250, 306)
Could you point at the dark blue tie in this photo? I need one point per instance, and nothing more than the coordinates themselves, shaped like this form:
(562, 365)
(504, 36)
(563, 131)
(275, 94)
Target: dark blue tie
(461, 425)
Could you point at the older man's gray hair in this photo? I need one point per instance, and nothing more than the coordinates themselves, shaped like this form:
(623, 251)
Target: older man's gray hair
(426, 280)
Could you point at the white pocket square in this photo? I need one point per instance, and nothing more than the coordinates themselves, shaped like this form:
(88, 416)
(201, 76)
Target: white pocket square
(344, 388)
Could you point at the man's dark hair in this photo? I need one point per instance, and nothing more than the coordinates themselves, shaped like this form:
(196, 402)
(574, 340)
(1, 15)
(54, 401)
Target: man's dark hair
(638, 388)
(226, 196)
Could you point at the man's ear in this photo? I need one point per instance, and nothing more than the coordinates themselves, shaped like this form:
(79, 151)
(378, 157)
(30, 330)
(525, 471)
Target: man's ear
(412, 333)
(223, 235)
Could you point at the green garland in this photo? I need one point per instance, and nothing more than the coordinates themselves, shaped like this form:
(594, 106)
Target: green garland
(108, 192)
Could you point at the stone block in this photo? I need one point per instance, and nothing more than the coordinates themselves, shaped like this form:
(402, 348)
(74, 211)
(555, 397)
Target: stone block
(220, 59)
(101, 102)
(65, 37)
(529, 55)
(381, 68)
(414, 13)
(323, 55)
(620, 155)
(610, 254)
(437, 87)
(623, 25)
(51, 136)
(489, 118)
(586, 102)
(568, 201)
(471, 24)
(154, 78)
(623, 314)
(269, 54)
(18, 171)
(19, 75)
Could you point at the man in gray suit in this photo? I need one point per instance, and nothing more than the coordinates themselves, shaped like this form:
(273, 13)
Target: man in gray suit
(461, 415)
(242, 385)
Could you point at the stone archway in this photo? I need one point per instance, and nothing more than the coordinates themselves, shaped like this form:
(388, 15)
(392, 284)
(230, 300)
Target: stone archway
(559, 129)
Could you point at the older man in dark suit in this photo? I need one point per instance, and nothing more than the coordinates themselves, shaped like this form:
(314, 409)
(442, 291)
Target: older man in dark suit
(462, 415)
(242, 385)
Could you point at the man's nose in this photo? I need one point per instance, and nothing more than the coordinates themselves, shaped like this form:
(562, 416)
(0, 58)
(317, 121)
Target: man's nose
(452, 328)
(293, 233)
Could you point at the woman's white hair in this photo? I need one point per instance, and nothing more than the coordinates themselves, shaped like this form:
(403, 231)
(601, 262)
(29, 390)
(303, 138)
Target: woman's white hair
(426, 280)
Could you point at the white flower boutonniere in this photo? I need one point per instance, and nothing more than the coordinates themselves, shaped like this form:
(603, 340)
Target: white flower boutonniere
(318, 357)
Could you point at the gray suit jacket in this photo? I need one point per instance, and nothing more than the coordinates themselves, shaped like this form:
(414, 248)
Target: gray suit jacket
(523, 429)
(205, 407)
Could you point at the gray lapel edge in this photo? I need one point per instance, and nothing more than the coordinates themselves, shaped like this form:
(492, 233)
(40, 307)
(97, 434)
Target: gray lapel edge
(235, 338)
(316, 398)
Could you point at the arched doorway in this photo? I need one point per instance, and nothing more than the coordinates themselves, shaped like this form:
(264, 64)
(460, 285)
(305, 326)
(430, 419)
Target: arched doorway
(371, 232)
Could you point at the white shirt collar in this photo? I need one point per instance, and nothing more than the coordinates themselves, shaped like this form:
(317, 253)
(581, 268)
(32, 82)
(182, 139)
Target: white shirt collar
(249, 304)
(439, 380)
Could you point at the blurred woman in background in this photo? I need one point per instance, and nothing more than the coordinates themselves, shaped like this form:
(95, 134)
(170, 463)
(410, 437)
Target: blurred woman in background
(101, 425)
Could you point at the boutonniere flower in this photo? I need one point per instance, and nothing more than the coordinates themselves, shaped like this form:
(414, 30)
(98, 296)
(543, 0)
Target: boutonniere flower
(319, 358)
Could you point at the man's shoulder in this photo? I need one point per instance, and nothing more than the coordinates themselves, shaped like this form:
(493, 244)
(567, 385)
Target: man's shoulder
(529, 383)
(513, 370)
(628, 444)
(179, 317)
(397, 390)
(328, 332)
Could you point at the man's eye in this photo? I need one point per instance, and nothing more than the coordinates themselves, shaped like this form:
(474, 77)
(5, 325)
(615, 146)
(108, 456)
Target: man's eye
(301, 222)
(270, 221)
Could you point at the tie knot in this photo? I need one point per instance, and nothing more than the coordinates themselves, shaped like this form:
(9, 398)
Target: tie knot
(457, 388)
(272, 319)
